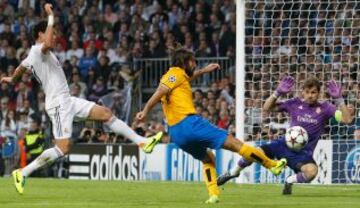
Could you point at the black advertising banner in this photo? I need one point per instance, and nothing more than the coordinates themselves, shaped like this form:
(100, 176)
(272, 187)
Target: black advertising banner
(104, 162)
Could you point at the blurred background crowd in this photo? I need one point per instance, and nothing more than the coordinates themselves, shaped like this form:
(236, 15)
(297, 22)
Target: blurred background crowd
(99, 41)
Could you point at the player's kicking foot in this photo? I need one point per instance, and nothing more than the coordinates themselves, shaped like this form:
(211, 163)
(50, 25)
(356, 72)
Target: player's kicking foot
(212, 200)
(152, 142)
(280, 165)
(222, 179)
(19, 181)
(287, 189)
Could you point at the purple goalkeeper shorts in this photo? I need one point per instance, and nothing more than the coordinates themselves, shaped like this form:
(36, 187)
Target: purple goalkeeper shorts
(295, 160)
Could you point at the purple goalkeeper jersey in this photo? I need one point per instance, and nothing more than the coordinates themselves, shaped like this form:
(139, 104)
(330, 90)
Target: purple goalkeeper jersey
(313, 118)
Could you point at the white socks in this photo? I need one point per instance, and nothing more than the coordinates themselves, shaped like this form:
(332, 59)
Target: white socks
(291, 179)
(46, 157)
(120, 127)
(235, 171)
(297, 178)
(241, 164)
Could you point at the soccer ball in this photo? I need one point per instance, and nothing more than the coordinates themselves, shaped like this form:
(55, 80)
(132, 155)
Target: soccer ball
(296, 138)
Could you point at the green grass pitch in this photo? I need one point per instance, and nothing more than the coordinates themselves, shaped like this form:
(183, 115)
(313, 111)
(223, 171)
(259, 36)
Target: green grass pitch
(71, 193)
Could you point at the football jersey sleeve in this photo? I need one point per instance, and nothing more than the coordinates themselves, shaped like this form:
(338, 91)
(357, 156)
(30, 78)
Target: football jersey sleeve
(285, 105)
(37, 49)
(27, 62)
(34, 54)
(172, 79)
(330, 109)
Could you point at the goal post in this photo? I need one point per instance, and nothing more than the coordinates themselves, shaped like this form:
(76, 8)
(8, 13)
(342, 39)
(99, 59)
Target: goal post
(240, 68)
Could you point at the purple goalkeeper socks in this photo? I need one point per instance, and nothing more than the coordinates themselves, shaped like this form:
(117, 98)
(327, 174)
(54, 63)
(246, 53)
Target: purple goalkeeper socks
(300, 178)
(242, 163)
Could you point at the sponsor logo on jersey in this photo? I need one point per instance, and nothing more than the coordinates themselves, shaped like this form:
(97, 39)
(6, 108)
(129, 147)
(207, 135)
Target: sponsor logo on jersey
(306, 118)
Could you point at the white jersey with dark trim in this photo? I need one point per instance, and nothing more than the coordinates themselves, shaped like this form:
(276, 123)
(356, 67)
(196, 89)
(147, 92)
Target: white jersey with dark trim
(47, 70)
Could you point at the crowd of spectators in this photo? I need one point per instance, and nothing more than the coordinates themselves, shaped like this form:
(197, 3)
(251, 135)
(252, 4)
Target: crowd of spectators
(96, 43)
(301, 39)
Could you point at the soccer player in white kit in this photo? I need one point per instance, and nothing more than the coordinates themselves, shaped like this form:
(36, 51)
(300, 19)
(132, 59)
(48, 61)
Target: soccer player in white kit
(60, 105)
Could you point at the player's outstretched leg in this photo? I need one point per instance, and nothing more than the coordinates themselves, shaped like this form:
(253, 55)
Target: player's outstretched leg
(307, 174)
(234, 172)
(101, 113)
(120, 127)
(46, 157)
(209, 174)
(253, 154)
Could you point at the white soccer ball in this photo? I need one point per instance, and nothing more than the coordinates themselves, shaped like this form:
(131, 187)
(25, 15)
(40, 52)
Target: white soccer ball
(296, 138)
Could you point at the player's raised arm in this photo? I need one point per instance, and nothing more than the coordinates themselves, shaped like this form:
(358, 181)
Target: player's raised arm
(19, 71)
(49, 30)
(161, 91)
(207, 69)
(334, 91)
(285, 86)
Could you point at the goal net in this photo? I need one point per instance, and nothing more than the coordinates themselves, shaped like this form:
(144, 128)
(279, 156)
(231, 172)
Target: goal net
(303, 38)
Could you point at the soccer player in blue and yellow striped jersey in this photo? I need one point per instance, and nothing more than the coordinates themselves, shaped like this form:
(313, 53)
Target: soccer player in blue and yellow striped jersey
(191, 132)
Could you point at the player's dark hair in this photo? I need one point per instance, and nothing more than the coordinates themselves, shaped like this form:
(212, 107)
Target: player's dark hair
(179, 56)
(39, 27)
(312, 82)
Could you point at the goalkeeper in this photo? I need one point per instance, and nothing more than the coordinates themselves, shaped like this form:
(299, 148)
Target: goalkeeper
(305, 111)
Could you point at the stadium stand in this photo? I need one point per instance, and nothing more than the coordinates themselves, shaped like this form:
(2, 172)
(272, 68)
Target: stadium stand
(97, 41)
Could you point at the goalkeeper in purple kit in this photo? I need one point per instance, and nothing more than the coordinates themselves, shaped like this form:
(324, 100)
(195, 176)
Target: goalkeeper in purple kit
(305, 111)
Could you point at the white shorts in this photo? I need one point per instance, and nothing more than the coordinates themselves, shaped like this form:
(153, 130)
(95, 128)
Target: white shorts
(62, 116)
